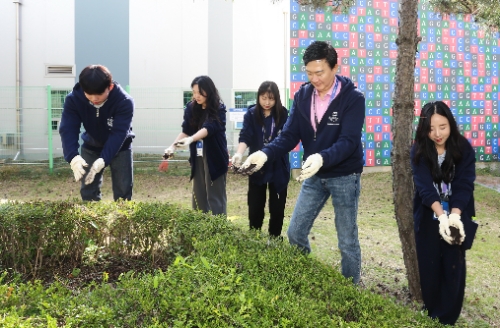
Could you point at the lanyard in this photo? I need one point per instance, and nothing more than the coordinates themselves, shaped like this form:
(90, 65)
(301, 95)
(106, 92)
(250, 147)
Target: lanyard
(332, 96)
(264, 140)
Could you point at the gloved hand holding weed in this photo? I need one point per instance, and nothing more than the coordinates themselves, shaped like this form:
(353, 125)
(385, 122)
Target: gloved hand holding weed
(97, 167)
(444, 228)
(457, 232)
(253, 163)
(184, 142)
(236, 160)
(77, 165)
(169, 153)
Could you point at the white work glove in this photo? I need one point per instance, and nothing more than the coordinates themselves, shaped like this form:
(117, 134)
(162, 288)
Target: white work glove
(312, 165)
(77, 165)
(184, 142)
(444, 228)
(169, 152)
(96, 168)
(236, 160)
(253, 163)
(455, 221)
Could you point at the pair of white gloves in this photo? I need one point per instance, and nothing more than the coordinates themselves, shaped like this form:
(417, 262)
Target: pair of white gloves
(453, 220)
(169, 152)
(78, 165)
(311, 166)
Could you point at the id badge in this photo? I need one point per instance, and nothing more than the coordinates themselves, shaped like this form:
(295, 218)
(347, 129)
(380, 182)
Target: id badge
(446, 209)
(199, 148)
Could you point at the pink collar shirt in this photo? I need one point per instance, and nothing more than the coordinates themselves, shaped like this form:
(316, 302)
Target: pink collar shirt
(319, 105)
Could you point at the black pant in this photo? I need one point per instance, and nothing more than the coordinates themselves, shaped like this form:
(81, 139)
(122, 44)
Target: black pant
(257, 203)
(442, 273)
(122, 176)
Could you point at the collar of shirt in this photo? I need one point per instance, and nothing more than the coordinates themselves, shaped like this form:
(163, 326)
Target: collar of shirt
(98, 106)
(322, 104)
(327, 95)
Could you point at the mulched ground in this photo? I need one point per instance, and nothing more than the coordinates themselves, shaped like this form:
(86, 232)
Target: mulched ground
(109, 270)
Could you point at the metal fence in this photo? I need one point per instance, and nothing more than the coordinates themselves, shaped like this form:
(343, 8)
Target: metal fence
(30, 122)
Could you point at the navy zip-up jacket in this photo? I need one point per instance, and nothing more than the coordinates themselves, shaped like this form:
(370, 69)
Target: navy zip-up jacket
(338, 136)
(215, 142)
(462, 187)
(107, 129)
(277, 172)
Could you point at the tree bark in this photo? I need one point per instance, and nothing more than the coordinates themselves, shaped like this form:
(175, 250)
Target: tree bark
(403, 109)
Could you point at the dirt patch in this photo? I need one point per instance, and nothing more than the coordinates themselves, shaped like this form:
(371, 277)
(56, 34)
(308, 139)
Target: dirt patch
(108, 270)
(489, 182)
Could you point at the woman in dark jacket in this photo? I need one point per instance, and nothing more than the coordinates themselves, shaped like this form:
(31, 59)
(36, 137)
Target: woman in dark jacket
(443, 165)
(261, 124)
(204, 131)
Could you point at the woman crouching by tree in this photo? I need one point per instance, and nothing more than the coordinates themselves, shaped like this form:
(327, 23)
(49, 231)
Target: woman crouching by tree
(443, 165)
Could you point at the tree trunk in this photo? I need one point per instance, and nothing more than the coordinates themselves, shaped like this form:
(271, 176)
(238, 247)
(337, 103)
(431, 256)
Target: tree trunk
(403, 108)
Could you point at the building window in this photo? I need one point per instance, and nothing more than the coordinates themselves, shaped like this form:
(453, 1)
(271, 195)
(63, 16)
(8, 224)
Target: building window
(243, 99)
(186, 97)
(58, 97)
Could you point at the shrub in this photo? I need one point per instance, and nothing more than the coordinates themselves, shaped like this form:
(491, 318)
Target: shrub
(216, 275)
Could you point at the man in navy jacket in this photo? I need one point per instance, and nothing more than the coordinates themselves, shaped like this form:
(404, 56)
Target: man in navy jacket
(327, 115)
(106, 111)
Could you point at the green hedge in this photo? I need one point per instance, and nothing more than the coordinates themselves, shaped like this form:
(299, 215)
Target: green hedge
(217, 275)
(39, 234)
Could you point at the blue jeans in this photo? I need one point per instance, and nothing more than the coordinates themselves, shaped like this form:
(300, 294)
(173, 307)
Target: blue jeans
(345, 195)
(122, 176)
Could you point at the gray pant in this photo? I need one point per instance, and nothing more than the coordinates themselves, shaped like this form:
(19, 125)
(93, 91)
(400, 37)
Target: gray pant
(122, 176)
(208, 195)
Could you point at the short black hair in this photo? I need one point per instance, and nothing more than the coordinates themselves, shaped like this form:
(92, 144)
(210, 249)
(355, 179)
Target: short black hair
(95, 79)
(320, 50)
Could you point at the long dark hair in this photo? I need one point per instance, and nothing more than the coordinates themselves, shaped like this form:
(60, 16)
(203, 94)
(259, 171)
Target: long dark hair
(426, 148)
(211, 112)
(278, 111)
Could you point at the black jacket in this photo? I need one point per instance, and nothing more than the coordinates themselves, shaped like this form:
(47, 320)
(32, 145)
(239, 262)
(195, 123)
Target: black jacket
(462, 189)
(338, 136)
(107, 129)
(278, 171)
(215, 142)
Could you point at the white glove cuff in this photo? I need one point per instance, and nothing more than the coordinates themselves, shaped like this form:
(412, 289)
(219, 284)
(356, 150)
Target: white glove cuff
(318, 158)
(443, 217)
(99, 164)
(76, 159)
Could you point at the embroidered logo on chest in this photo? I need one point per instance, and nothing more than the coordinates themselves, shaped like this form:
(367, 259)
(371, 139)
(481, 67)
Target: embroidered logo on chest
(333, 118)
